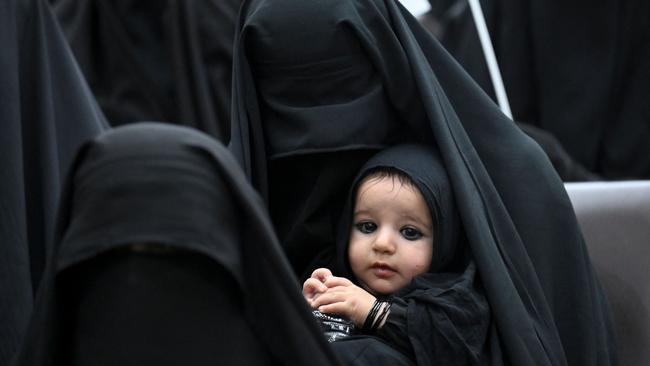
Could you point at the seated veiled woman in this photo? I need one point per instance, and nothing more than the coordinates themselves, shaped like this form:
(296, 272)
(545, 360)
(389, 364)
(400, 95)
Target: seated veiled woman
(319, 86)
(165, 256)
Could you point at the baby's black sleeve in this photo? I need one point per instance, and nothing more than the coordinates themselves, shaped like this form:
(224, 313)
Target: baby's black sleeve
(395, 329)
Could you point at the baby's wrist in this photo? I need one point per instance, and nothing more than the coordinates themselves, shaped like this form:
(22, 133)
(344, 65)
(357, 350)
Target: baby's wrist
(377, 315)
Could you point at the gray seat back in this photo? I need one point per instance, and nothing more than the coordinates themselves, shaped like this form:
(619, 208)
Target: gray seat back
(615, 221)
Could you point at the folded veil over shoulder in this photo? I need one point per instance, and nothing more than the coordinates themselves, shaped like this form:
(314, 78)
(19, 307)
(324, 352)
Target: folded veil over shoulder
(320, 84)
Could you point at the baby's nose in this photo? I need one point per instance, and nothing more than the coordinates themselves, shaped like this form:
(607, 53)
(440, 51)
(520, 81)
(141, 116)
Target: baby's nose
(385, 241)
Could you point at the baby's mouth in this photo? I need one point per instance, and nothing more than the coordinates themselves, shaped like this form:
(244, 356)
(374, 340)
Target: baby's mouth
(382, 270)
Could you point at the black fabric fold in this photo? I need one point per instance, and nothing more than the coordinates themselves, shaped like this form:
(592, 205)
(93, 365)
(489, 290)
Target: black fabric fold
(167, 61)
(576, 70)
(46, 112)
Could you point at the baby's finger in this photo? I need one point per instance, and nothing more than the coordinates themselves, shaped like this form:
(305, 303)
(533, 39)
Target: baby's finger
(337, 281)
(339, 308)
(321, 274)
(312, 287)
(327, 298)
(311, 301)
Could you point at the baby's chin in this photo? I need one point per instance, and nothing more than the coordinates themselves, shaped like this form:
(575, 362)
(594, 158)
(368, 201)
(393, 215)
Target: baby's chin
(378, 290)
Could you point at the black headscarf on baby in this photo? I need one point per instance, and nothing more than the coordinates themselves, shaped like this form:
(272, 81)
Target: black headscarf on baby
(424, 167)
(177, 187)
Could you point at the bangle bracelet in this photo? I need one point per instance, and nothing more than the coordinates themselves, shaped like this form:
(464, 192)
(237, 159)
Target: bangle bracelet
(382, 316)
(370, 318)
(375, 318)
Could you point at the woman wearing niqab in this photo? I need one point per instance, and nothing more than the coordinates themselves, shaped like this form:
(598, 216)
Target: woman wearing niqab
(164, 255)
(319, 86)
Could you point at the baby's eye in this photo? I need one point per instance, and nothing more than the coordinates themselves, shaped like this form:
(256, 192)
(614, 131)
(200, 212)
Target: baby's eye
(410, 233)
(366, 227)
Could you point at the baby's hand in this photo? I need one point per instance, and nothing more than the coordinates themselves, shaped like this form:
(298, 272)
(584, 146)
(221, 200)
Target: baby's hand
(344, 298)
(314, 286)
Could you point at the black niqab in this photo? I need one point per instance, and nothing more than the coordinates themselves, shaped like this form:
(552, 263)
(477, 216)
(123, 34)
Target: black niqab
(179, 190)
(46, 112)
(521, 229)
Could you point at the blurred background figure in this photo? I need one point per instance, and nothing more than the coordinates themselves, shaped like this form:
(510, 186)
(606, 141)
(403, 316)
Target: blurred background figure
(156, 60)
(577, 70)
(46, 112)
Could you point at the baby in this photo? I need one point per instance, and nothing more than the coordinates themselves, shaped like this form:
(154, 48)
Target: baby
(391, 241)
(404, 275)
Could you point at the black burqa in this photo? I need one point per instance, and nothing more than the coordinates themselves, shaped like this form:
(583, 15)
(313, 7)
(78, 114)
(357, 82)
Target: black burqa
(576, 69)
(444, 317)
(304, 109)
(46, 111)
(165, 255)
(156, 60)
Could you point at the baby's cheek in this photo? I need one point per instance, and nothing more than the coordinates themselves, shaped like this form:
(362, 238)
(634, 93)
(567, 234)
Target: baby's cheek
(355, 258)
(419, 268)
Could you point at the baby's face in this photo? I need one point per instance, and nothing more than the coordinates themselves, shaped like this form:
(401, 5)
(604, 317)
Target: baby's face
(391, 239)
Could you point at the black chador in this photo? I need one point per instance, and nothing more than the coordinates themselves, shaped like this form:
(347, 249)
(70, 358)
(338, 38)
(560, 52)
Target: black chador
(319, 86)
